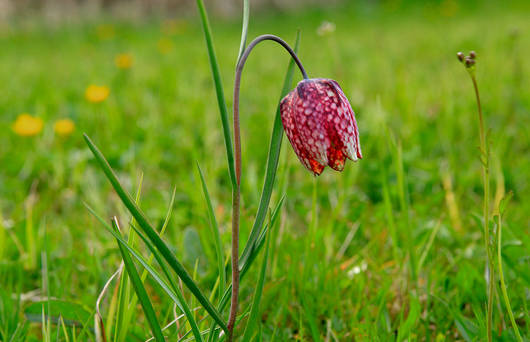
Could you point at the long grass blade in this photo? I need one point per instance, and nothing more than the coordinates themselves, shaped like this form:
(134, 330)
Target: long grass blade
(176, 295)
(244, 30)
(223, 111)
(140, 290)
(154, 237)
(259, 244)
(99, 326)
(174, 292)
(498, 220)
(164, 225)
(179, 300)
(215, 233)
(272, 165)
(254, 312)
(127, 301)
(162, 231)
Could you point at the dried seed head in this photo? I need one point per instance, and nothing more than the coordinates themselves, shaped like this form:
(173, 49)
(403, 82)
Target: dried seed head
(469, 62)
(320, 124)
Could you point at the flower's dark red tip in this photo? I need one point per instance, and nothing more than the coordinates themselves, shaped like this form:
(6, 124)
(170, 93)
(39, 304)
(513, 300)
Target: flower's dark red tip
(320, 124)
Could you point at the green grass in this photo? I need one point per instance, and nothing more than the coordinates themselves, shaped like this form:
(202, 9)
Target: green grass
(392, 247)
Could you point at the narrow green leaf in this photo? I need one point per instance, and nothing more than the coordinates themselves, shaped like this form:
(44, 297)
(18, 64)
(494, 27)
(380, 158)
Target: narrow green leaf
(164, 225)
(504, 202)
(132, 242)
(174, 293)
(244, 29)
(251, 247)
(259, 244)
(54, 309)
(428, 245)
(223, 111)
(140, 290)
(215, 233)
(126, 299)
(154, 237)
(389, 213)
(498, 220)
(308, 313)
(272, 164)
(254, 312)
(405, 328)
(261, 239)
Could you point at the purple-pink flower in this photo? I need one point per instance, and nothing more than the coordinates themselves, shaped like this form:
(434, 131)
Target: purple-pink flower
(320, 125)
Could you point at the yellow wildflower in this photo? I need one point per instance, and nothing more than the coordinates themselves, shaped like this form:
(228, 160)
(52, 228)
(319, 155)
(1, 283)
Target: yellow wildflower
(123, 61)
(26, 125)
(165, 45)
(96, 94)
(63, 127)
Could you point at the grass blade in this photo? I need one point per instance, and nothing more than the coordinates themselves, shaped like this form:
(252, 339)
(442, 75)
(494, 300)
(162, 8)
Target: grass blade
(179, 299)
(244, 30)
(254, 312)
(498, 220)
(272, 165)
(127, 300)
(405, 327)
(175, 294)
(100, 331)
(223, 111)
(215, 233)
(140, 290)
(252, 256)
(154, 237)
(164, 226)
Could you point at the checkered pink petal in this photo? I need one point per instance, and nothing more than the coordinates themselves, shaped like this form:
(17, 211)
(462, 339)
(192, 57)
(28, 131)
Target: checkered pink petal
(320, 124)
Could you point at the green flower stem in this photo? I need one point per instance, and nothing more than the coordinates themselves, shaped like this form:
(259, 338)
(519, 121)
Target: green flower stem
(484, 158)
(236, 195)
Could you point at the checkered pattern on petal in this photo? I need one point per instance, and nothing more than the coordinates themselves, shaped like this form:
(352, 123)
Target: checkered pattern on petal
(320, 125)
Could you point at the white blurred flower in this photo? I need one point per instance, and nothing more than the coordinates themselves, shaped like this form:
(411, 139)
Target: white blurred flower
(326, 28)
(357, 269)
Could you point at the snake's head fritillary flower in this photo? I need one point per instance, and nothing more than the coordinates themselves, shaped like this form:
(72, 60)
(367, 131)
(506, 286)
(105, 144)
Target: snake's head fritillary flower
(320, 125)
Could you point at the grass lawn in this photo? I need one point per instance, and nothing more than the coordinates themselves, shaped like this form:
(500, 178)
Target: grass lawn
(392, 248)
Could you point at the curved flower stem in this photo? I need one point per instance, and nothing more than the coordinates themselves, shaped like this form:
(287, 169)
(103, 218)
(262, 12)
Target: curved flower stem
(237, 150)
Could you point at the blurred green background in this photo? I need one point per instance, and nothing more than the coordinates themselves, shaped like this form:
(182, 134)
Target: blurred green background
(416, 195)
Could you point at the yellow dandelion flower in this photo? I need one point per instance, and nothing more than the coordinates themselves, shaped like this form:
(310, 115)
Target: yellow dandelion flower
(123, 61)
(96, 94)
(63, 127)
(165, 45)
(26, 125)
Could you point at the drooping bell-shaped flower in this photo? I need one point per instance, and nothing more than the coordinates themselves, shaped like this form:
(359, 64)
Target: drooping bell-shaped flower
(320, 125)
